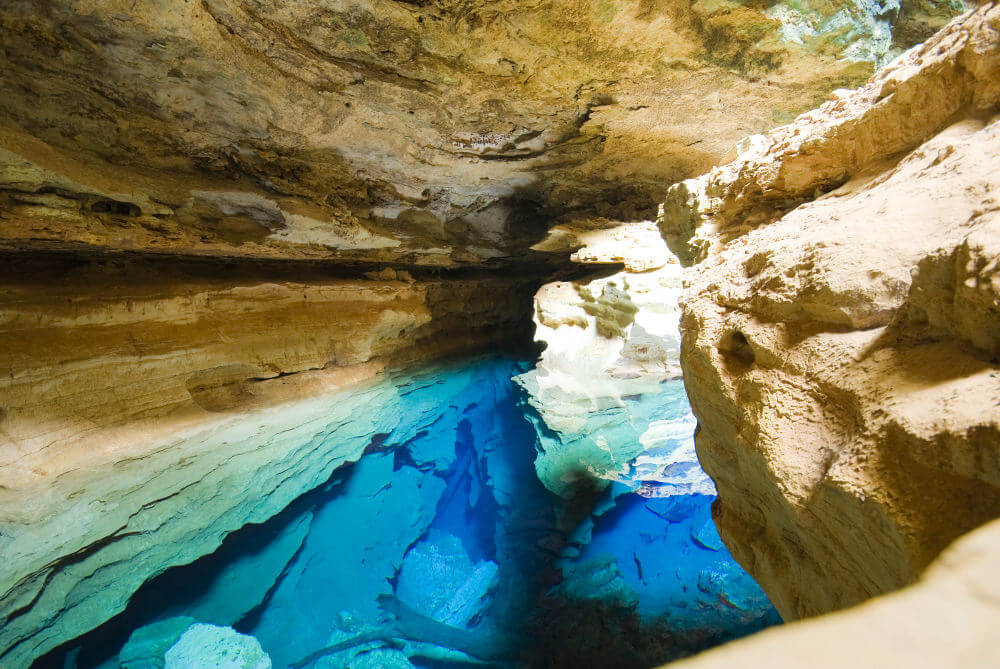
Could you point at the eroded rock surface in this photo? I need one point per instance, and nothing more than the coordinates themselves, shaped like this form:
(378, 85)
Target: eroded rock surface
(432, 132)
(615, 439)
(948, 619)
(840, 350)
(149, 410)
(606, 339)
(384, 141)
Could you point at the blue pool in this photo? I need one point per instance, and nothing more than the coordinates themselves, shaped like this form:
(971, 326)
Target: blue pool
(441, 547)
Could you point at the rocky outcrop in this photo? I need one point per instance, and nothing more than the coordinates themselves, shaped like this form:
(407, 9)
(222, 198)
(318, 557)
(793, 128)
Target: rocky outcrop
(430, 132)
(149, 409)
(225, 225)
(614, 439)
(89, 345)
(948, 619)
(606, 339)
(840, 321)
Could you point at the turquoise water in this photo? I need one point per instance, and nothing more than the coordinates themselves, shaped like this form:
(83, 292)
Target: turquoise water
(441, 547)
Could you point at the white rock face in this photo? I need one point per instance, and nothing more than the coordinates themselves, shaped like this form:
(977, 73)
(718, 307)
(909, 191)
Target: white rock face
(610, 336)
(605, 339)
(203, 646)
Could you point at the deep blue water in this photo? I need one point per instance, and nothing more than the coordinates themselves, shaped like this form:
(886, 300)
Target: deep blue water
(441, 547)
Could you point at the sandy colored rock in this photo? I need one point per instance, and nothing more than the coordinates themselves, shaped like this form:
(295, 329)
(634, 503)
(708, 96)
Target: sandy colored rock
(88, 345)
(947, 619)
(225, 225)
(437, 133)
(840, 349)
(136, 391)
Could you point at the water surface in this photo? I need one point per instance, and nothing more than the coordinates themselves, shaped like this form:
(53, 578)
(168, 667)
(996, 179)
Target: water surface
(441, 547)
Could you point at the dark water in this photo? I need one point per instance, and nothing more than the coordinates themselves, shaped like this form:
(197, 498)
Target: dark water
(440, 547)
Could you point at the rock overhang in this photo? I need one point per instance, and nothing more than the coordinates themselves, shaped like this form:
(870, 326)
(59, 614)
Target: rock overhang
(430, 133)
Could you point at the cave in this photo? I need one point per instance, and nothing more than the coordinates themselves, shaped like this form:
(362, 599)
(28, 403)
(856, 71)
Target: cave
(380, 333)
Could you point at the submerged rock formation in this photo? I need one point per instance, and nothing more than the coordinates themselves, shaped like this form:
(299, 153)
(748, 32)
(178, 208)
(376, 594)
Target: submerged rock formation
(841, 326)
(226, 225)
(212, 646)
(150, 409)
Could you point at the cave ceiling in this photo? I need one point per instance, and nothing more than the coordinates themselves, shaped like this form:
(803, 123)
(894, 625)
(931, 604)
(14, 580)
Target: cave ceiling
(435, 133)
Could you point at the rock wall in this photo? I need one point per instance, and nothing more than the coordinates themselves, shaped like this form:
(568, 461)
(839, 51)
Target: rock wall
(435, 132)
(840, 326)
(606, 338)
(947, 619)
(213, 212)
(614, 439)
(151, 407)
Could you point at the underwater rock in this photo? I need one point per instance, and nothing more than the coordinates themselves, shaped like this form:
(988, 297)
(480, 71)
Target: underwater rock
(355, 545)
(243, 584)
(839, 324)
(615, 435)
(439, 580)
(948, 618)
(217, 647)
(666, 563)
(172, 506)
(146, 647)
(378, 658)
(599, 578)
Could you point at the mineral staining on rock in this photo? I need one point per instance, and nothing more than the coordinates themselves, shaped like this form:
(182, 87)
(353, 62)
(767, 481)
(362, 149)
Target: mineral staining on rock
(839, 324)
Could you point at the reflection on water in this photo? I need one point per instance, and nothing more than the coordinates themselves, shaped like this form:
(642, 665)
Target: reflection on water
(441, 547)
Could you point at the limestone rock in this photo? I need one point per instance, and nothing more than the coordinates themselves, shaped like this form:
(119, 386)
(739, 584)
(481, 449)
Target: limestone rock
(839, 327)
(225, 225)
(147, 645)
(248, 577)
(441, 565)
(77, 546)
(605, 339)
(947, 619)
(422, 132)
(213, 646)
(952, 75)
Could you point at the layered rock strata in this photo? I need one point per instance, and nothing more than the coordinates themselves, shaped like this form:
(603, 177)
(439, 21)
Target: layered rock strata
(169, 173)
(150, 409)
(840, 326)
(434, 132)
